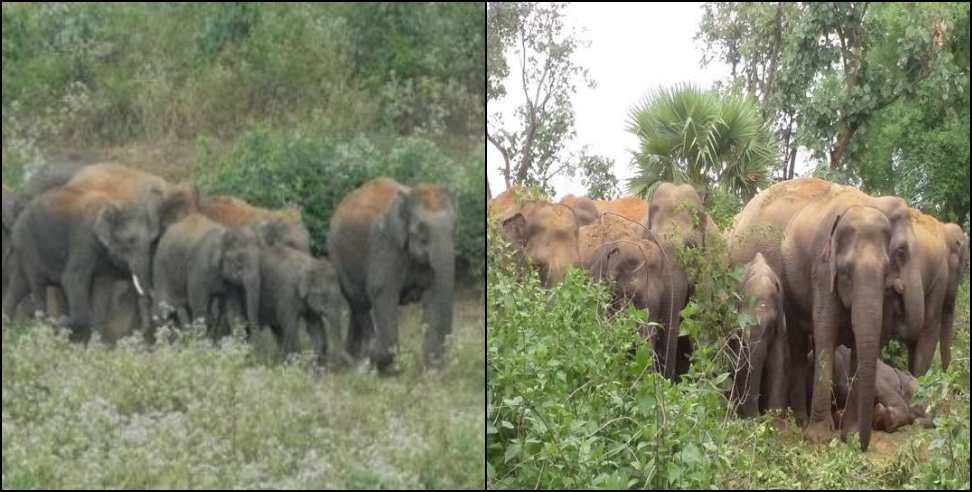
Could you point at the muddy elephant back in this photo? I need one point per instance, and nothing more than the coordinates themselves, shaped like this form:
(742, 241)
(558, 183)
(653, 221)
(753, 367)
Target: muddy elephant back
(760, 226)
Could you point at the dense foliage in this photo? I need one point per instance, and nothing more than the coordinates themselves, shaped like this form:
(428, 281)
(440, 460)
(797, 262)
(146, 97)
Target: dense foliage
(187, 415)
(573, 402)
(313, 172)
(877, 92)
(120, 71)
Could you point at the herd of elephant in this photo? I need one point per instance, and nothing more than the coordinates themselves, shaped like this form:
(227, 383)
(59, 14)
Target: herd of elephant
(830, 275)
(116, 246)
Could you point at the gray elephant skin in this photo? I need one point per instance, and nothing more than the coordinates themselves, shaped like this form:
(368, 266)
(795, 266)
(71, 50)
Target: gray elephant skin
(394, 245)
(760, 380)
(833, 246)
(201, 267)
(297, 288)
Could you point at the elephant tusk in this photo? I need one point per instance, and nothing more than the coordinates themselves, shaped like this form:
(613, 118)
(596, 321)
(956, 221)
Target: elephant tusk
(138, 286)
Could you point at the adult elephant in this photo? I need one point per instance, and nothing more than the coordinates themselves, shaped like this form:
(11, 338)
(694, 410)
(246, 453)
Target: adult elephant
(834, 249)
(639, 271)
(546, 235)
(137, 192)
(234, 212)
(67, 236)
(200, 266)
(392, 245)
(957, 245)
(940, 258)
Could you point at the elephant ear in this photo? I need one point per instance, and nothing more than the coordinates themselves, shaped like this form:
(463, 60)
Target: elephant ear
(830, 253)
(155, 203)
(303, 286)
(601, 265)
(179, 202)
(108, 221)
(395, 223)
(515, 229)
(780, 315)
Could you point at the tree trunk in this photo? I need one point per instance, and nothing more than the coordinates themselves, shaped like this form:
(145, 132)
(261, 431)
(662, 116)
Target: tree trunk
(844, 136)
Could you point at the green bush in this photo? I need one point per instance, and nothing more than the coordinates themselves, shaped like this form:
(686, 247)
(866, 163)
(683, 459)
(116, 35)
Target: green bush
(77, 73)
(277, 169)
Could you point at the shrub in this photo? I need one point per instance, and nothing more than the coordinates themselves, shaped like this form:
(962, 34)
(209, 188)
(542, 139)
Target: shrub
(284, 168)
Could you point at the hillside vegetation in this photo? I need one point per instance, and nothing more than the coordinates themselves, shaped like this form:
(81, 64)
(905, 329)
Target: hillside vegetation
(311, 99)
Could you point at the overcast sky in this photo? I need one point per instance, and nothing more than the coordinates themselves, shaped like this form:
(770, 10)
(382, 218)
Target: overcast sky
(634, 48)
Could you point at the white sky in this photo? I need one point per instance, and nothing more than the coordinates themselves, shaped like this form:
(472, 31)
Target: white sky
(634, 48)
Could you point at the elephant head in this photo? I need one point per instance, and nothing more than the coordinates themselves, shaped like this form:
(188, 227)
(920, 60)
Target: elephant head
(957, 247)
(764, 304)
(429, 214)
(857, 271)
(907, 289)
(128, 237)
(676, 215)
(546, 235)
(640, 272)
(239, 263)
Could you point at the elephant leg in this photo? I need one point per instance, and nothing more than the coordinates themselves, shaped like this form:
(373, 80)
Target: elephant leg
(359, 333)
(385, 348)
(290, 324)
(683, 356)
(799, 376)
(17, 291)
(55, 302)
(318, 337)
(77, 286)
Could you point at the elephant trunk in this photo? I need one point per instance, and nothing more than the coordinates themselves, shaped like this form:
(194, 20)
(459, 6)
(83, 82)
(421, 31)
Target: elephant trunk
(757, 354)
(914, 299)
(440, 301)
(678, 296)
(252, 286)
(866, 318)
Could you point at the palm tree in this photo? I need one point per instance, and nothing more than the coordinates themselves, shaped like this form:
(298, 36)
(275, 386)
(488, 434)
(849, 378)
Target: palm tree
(688, 135)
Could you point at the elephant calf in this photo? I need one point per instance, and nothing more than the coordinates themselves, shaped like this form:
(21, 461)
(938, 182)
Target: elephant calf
(200, 262)
(299, 288)
(761, 371)
(895, 389)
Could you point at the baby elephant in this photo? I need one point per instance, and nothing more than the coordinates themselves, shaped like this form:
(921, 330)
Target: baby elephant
(895, 389)
(201, 266)
(297, 287)
(761, 371)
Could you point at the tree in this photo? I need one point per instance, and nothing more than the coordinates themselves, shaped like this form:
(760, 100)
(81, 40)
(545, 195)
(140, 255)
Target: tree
(823, 70)
(597, 175)
(533, 148)
(689, 135)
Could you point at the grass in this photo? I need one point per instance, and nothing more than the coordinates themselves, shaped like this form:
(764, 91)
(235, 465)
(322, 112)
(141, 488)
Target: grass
(578, 415)
(184, 414)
